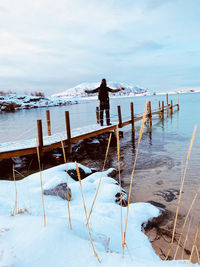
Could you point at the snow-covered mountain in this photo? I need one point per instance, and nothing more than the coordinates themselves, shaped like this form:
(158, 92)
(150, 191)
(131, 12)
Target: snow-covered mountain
(78, 91)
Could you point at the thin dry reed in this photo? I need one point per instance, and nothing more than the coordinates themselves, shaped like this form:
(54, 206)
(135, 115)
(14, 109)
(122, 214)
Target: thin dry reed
(197, 254)
(64, 155)
(186, 238)
(120, 184)
(20, 174)
(15, 209)
(194, 244)
(38, 156)
(185, 221)
(106, 156)
(132, 175)
(79, 178)
(181, 190)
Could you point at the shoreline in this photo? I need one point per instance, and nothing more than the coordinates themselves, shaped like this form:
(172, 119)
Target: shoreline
(15, 102)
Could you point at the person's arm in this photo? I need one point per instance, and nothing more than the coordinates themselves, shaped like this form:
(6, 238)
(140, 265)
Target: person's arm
(92, 91)
(115, 90)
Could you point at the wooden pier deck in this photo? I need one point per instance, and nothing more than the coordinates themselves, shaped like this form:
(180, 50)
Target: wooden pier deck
(48, 143)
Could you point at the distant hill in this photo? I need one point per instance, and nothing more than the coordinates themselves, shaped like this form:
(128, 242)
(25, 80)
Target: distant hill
(78, 91)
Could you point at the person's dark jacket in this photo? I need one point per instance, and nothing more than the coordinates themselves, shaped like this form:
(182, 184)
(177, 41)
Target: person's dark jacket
(103, 92)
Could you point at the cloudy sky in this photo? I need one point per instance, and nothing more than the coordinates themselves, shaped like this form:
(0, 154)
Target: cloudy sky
(50, 45)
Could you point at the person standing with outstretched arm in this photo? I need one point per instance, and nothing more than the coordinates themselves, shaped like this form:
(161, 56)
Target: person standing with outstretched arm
(103, 95)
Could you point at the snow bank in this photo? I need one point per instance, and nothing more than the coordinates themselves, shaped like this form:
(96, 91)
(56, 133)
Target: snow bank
(13, 102)
(24, 241)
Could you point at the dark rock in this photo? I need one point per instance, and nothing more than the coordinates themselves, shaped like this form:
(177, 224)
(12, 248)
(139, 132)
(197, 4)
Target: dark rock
(60, 190)
(19, 162)
(157, 204)
(74, 175)
(155, 221)
(10, 107)
(168, 194)
(112, 173)
(121, 198)
(160, 182)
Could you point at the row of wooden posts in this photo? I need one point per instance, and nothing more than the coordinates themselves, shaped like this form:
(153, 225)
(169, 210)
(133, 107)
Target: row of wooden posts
(121, 124)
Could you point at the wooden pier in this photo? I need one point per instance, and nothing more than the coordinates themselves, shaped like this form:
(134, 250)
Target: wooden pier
(50, 142)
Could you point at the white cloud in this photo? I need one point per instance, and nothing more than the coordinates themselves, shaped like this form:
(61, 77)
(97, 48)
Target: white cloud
(11, 45)
(76, 40)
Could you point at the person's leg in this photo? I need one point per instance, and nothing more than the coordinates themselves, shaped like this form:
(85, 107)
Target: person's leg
(107, 106)
(101, 113)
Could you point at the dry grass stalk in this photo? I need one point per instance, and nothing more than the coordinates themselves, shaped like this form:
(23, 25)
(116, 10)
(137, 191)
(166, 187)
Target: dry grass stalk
(194, 244)
(15, 209)
(106, 156)
(184, 224)
(20, 211)
(120, 184)
(181, 190)
(20, 174)
(38, 156)
(79, 178)
(64, 155)
(186, 238)
(132, 174)
(197, 254)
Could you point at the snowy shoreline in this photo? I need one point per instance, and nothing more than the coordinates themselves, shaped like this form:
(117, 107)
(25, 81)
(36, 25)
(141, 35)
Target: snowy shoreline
(26, 242)
(14, 102)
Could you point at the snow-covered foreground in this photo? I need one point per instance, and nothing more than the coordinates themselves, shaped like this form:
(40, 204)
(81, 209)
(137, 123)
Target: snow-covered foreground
(24, 241)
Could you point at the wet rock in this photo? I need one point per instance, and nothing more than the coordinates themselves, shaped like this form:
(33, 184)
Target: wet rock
(19, 162)
(60, 190)
(146, 162)
(83, 174)
(112, 173)
(121, 198)
(155, 221)
(168, 194)
(157, 204)
(160, 182)
(89, 147)
(10, 107)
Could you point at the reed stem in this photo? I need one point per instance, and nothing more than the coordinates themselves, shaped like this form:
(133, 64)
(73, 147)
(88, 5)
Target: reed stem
(132, 174)
(64, 155)
(181, 190)
(15, 209)
(38, 156)
(107, 150)
(79, 178)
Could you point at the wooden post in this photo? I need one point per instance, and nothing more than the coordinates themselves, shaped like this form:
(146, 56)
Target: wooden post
(162, 110)
(171, 107)
(40, 134)
(167, 99)
(149, 108)
(150, 116)
(132, 118)
(68, 129)
(177, 101)
(119, 116)
(159, 104)
(97, 115)
(48, 122)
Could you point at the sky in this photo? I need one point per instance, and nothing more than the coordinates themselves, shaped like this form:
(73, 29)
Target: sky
(50, 46)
